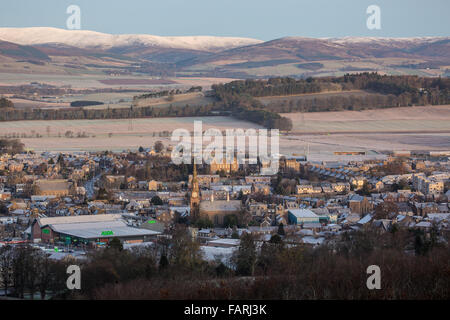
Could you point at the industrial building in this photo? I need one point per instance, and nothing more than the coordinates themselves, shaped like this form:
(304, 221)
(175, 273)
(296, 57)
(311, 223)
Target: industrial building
(300, 216)
(92, 230)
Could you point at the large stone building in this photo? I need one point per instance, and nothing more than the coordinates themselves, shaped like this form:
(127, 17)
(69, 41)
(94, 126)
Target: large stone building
(224, 166)
(290, 164)
(216, 210)
(359, 204)
(54, 187)
(205, 180)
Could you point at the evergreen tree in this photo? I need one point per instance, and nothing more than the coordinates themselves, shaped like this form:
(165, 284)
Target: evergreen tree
(281, 231)
(245, 257)
(115, 244)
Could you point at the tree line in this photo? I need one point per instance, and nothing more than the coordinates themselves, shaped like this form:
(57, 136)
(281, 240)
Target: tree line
(382, 91)
(27, 270)
(349, 101)
(11, 146)
(104, 113)
(175, 269)
(418, 87)
(239, 99)
(414, 266)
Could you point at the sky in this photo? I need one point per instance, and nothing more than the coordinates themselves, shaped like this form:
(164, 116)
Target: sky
(260, 19)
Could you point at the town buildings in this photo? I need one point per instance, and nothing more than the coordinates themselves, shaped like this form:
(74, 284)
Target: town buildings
(87, 199)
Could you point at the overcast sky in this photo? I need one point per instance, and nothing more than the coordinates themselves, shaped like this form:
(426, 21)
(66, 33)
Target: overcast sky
(261, 19)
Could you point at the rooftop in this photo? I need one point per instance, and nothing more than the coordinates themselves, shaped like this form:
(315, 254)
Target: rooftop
(303, 213)
(105, 229)
(79, 219)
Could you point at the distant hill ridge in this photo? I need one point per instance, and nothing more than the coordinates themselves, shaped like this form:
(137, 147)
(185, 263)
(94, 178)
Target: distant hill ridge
(93, 39)
(232, 57)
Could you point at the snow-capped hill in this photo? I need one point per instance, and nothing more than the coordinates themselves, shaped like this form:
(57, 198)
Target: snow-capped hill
(92, 39)
(350, 40)
(365, 40)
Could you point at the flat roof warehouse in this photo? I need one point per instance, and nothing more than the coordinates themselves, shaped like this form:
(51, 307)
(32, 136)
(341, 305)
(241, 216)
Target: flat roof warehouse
(93, 230)
(88, 229)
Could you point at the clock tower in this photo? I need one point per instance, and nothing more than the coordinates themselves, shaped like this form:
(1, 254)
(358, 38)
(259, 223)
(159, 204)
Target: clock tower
(195, 197)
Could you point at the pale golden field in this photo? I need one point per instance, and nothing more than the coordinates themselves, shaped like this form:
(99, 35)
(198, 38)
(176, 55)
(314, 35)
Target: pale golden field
(24, 103)
(404, 119)
(91, 79)
(205, 82)
(74, 80)
(409, 128)
(414, 128)
(322, 146)
(329, 68)
(179, 100)
(113, 135)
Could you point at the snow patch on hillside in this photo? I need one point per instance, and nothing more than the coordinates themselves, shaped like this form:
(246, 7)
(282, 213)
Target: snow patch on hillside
(92, 39)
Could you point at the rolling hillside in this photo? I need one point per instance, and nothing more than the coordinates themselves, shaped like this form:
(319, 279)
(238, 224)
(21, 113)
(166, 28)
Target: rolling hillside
(16, 51)
(306, 56)
(206, 56)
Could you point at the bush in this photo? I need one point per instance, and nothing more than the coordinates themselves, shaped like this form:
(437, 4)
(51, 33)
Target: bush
(5, 103)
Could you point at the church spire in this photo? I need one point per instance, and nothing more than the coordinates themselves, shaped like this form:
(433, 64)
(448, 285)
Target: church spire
(195, 179)
(195, 199)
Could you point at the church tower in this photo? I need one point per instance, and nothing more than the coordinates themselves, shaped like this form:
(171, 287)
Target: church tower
(195, 197)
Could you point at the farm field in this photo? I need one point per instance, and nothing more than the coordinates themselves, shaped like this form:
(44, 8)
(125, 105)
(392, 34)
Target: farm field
(115, 135)
(324, 67)
(404, 119)
(110, 99)
(192, 98)
(322, 146)
(373, 131)
(114, 100)
(100, 80)
(85, 81)
(25, 103)
(410, 128)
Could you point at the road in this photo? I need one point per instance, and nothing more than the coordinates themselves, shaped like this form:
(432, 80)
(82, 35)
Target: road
(89, 186)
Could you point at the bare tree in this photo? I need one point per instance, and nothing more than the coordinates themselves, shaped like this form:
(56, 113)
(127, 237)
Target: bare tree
(6, 266)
